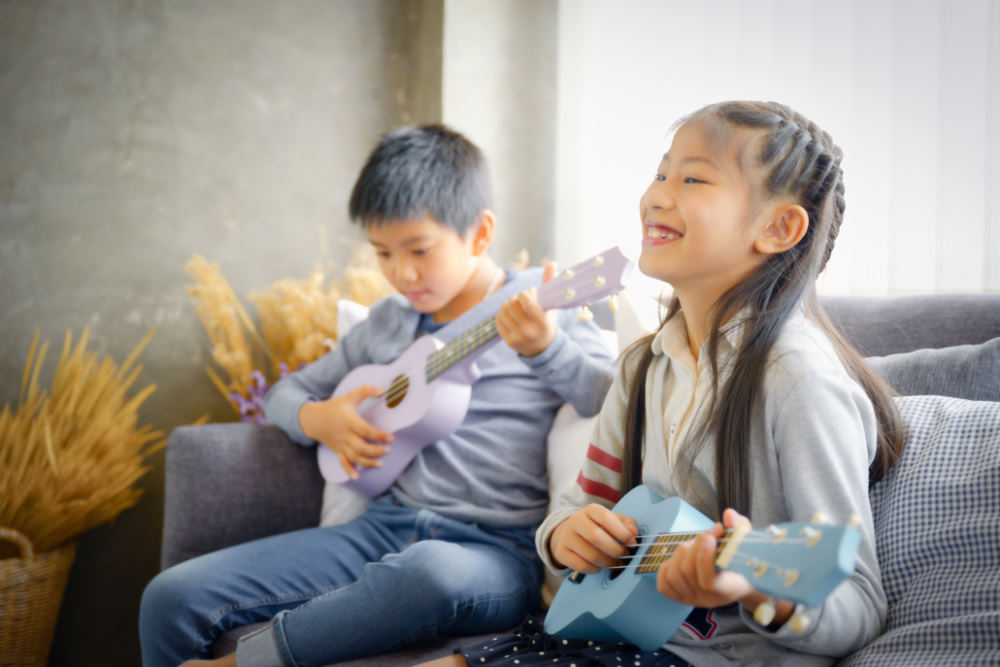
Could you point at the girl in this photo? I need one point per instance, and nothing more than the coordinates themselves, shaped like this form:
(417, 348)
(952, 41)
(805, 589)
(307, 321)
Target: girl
(745, 402)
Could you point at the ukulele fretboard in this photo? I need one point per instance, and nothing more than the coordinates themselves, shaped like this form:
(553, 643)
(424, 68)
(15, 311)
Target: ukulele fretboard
(460, 348)
(663, 547)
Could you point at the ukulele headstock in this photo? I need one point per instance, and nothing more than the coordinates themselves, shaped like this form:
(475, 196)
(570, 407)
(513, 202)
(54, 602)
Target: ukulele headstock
(797, 561)
(590, 280)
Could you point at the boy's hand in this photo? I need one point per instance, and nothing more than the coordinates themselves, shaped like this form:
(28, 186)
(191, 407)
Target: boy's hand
(592, 538)
(690, 577)
(336, 424)
(523, 324)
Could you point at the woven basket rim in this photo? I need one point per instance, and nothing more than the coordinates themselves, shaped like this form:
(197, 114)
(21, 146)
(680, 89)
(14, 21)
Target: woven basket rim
(19, 539)
(31, 593)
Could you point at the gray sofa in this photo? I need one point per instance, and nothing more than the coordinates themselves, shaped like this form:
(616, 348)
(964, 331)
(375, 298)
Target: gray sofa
(229, 483)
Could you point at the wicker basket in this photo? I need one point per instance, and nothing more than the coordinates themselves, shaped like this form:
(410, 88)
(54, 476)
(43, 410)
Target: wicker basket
(31, 591)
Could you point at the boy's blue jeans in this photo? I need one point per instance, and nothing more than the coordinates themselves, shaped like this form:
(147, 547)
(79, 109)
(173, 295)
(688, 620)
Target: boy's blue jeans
(386, 579)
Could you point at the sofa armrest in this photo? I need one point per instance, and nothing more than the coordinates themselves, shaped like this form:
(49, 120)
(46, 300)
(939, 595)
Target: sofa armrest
(231, 483)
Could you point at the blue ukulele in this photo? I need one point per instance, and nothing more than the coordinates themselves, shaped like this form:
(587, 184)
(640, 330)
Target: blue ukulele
(796, 561)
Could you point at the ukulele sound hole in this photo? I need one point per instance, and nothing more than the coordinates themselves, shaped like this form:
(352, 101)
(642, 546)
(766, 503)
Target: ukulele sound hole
(626, 559)
(397, 391)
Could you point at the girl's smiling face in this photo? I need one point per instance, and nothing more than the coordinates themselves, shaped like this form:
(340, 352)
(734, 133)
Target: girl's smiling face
(697, 224)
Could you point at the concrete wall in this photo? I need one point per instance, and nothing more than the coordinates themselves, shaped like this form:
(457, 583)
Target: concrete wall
(499, 87)
(137, 134)
(134, 134)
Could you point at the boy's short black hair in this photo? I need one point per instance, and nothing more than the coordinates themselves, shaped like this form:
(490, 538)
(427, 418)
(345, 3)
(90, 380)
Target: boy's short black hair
(423, 170)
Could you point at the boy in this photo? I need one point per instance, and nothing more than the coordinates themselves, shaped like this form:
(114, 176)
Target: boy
(449, 547)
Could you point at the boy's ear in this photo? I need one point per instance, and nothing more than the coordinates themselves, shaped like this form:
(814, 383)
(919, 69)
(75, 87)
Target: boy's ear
(483, 231)
(786, 228)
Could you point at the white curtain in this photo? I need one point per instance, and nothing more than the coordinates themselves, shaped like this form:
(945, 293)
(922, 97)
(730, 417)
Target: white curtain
(910, 90)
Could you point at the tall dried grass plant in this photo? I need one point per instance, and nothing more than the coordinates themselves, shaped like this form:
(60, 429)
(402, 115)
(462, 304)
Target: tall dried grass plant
(70, 457)
(298, 324)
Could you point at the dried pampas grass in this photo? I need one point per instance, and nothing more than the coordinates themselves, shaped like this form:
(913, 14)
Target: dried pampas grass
(298, 320)
(236, 346)
(70, 458)
(298, 324)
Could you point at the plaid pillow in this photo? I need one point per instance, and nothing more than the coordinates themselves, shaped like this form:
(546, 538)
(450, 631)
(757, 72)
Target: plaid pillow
(937, 529)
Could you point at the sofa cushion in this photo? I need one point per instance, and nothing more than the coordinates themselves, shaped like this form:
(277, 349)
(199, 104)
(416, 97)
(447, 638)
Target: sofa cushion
(880, 325)
(960, 371)
(937, 529)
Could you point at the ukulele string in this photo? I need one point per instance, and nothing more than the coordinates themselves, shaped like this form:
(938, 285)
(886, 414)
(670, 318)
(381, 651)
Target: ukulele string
(486, 330)
(659, 548)
(754, 536)
(459, 348)
(658, 559)
(440, 360)
(400, 383)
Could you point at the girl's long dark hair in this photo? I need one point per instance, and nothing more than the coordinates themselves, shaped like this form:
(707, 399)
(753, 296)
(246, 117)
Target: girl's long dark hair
(793, 158)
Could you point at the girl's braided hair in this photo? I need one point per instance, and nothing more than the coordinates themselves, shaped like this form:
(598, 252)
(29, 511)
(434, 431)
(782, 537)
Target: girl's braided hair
(787, 156)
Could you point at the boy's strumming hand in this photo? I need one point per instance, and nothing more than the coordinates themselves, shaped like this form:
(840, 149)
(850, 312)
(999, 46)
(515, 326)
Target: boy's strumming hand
(523, 324)
(336, 424)
(592, 538)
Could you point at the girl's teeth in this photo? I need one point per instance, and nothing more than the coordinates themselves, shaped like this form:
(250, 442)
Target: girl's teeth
(654, 233)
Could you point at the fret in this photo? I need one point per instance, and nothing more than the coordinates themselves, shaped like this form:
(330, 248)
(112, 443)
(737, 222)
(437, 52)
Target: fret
(604, 274)
(460, 348)
(663, 546)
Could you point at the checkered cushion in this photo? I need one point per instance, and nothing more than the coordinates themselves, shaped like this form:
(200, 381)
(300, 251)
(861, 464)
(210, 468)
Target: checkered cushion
(937, 528)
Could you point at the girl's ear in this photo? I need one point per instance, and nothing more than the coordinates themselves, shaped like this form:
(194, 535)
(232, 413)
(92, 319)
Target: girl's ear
(786, 228)
(483, 231)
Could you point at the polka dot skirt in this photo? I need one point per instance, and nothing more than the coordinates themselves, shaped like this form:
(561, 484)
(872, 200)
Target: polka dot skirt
(529, 645)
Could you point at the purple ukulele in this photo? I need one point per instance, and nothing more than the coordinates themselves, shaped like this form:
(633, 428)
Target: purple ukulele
(428, 387)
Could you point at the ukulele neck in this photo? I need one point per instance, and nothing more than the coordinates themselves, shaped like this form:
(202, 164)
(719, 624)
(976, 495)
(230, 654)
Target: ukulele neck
(465, 346)
(664, 545)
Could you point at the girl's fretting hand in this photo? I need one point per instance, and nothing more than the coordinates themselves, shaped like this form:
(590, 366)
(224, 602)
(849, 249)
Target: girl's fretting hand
(592, 538)
(690, 577)
(523, 324)
(336, 424)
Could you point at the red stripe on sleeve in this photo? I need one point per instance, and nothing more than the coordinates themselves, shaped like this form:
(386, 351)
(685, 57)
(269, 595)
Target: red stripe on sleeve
(593, 488)
(609, 461)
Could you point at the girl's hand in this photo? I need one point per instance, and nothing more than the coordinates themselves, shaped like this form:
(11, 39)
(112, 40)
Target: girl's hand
(592, 538)
(690, 577)
(523, 323)
(336, 424)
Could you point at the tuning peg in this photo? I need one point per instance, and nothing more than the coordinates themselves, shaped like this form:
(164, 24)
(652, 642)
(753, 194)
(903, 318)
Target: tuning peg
(820, 518)
(764, 613)
(568, 274)
(599, 281)
(759, 567)
(811, 534)
(613, 303)
(585, 314)
(798, 622)
(854, 522)
(570, 293)
(779, 534)
(598, 260)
